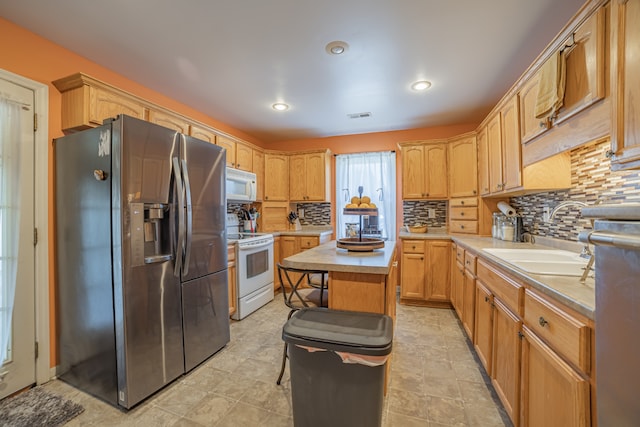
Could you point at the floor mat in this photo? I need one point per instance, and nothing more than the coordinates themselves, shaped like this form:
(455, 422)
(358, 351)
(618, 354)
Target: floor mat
(37, 407)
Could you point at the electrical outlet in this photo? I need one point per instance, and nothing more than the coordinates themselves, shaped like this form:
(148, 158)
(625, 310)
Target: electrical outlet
(545, 214)
(301, 213)
(431, 213)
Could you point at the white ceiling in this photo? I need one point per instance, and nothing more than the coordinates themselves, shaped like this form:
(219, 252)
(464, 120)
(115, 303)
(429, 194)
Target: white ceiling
(233, 59)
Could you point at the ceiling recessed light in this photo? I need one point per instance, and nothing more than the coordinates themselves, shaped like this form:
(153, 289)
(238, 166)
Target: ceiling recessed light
(337, 47)
(421, 85)
(280, 106)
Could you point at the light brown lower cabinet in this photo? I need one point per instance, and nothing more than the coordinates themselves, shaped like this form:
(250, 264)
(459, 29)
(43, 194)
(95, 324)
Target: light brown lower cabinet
(537, 352)
(553, 393)
(506, 355)
(484, 325)
(425, 277)
(469, 303)
(231, 274)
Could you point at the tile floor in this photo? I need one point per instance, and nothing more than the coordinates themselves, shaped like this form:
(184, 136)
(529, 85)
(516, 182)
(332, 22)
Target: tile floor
(435, 380)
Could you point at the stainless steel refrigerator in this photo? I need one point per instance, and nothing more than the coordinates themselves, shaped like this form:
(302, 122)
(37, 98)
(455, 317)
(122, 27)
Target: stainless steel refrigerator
(142, 293)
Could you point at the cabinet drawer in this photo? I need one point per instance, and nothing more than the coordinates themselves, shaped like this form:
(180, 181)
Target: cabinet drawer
(464, 212)
(507, 290)
(467, 227)
(307, 242)
(470, 262)
(464, 201)
(460, 254)
(564, 333)
(413, 246)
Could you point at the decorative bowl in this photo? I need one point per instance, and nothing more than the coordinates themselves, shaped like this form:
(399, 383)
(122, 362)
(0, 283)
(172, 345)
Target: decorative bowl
(417, 228)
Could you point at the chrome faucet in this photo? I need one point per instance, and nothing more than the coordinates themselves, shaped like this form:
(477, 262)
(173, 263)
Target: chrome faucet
(561, 205)
(586, 252)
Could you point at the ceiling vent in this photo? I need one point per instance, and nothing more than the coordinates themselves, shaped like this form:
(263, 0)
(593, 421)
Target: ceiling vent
(359, 115)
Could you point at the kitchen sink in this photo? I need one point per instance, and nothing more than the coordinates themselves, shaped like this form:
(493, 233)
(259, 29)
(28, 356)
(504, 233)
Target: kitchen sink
(542, 261)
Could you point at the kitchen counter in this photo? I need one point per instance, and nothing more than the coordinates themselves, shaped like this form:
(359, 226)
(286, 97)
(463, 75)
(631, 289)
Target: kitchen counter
(328, 257)
(319, 231)
(567, 290)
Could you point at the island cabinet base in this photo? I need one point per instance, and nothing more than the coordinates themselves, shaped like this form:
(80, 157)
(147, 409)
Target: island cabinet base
(357, 292)
(372, 293)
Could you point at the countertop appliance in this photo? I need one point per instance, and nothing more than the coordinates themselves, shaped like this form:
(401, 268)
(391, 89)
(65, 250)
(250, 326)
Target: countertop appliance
(616, 237)
(141, 257)
(254, 268)
(242, 186)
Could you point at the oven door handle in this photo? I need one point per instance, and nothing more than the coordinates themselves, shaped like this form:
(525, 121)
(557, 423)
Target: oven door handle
(249, 247)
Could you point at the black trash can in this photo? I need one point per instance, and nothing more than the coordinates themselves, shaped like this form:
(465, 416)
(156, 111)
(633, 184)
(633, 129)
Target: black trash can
(337, 362)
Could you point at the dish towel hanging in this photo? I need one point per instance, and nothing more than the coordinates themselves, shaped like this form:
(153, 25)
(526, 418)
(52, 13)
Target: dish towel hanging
(551, 87)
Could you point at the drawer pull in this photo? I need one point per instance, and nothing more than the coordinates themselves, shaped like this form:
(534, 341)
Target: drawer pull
(462, 202)
(461, 213)
(542, 322)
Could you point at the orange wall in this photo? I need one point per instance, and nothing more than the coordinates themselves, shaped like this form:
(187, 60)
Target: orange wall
(36, 58)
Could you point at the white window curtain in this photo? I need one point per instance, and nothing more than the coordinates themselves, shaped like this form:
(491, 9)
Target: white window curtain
(9, 215)
(376, 173)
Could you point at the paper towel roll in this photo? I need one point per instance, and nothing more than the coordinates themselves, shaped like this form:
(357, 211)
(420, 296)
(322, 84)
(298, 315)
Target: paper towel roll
(506, 209)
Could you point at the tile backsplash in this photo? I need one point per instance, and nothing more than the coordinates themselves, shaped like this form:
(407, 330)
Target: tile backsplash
(416, 212)
(315, 213)
(591, 180)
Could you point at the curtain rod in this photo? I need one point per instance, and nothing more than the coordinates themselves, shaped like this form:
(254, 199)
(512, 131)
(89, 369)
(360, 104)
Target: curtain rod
(368, 152)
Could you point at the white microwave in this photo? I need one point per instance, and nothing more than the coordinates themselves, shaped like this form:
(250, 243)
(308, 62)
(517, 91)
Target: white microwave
(241, 186)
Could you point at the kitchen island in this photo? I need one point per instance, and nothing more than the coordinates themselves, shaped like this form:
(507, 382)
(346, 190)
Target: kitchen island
(358, 281)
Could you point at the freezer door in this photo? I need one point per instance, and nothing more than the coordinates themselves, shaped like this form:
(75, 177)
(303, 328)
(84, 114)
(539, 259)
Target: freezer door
(87, 349)
(205, 304)
(203, 167)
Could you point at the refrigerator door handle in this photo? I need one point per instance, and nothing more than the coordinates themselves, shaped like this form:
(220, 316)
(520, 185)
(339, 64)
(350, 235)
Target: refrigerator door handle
(189, 223)
(180, 242)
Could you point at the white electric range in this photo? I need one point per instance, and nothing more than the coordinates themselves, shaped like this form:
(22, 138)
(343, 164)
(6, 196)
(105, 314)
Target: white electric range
(254, 268)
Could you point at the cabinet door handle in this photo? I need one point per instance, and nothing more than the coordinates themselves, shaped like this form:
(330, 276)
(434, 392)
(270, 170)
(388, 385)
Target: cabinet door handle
(486, 299)
(475, 191)
(542, 322)
(543, 124)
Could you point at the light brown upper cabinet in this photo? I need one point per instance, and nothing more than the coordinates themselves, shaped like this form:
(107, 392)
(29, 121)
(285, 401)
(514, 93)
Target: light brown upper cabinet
(511, 154)
(584, 55)
(483, 161)
(239, 156)
(503, 140)
(87, 102)
(258, 169)
(202, 133)
(169, 120)
(625, 84)
(463, 167)
(585, 66)
(424, 170)
(276, 177)
(494, 143)
(309, 176)
(531, 126)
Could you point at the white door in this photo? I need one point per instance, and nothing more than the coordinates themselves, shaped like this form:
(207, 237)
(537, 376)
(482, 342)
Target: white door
(19, 370)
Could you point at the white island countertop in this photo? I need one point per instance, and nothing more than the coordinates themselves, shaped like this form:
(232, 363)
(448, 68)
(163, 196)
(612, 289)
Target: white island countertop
(329, 258)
